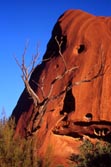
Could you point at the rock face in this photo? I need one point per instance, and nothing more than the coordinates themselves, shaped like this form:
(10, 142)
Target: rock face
(74, 86)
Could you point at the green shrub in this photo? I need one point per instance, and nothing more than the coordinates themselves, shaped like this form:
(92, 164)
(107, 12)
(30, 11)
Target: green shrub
(15, 152)
(93, 155)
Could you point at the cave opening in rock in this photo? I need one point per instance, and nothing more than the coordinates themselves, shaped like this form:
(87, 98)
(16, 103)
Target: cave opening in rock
(69, 103)
(81, 48)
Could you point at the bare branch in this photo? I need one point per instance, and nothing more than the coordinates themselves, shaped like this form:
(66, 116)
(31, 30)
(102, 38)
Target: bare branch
(64, 116)
(98, 74)
(32, 64)
(26, 73)
(60, 52)
(41, 88)
(87, 78)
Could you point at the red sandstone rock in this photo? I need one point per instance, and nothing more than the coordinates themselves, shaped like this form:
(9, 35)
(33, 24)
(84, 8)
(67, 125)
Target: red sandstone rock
(79, 75)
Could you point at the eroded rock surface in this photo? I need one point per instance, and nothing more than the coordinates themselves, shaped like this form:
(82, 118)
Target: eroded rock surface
(74, 87)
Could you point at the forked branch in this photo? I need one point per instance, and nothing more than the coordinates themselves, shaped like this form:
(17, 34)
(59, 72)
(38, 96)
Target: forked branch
(26, 73)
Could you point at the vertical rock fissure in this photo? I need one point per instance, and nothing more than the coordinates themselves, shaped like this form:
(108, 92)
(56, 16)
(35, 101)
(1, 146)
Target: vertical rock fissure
(69, 103)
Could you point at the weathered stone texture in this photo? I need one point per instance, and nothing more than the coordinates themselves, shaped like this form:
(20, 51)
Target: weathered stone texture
(83, 65)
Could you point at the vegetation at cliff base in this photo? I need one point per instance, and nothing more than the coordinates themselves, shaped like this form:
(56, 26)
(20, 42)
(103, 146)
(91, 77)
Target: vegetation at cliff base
(93, 155)
(19, 152)
(15, 152)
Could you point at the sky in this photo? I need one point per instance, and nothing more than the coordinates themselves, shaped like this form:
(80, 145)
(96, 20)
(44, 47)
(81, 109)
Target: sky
(32, 21)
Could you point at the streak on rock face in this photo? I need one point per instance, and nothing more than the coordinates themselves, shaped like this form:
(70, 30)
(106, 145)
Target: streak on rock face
(75, 76)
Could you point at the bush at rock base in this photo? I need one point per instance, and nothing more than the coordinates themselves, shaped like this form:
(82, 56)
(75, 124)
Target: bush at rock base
(15, 152)
(93, 155)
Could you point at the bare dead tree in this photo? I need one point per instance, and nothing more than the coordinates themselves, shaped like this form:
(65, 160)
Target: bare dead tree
(40, 105)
